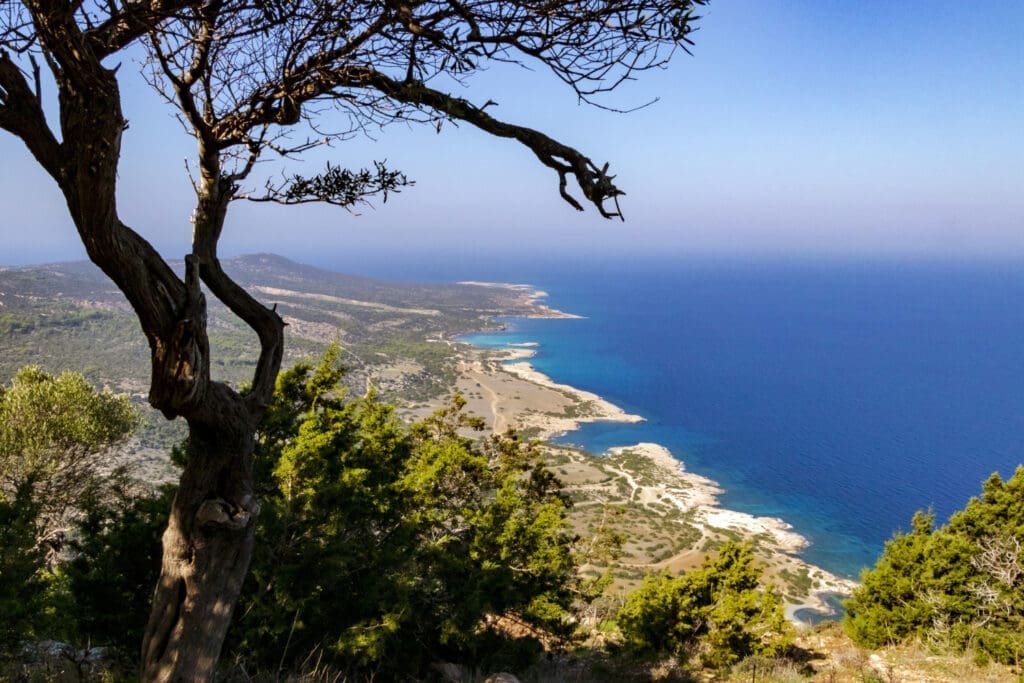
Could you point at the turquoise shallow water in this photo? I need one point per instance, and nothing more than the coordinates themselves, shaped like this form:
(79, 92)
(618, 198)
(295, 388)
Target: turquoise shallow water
(840, 397)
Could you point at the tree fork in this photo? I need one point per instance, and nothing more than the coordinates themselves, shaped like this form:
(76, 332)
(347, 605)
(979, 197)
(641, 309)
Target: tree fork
(209, 540)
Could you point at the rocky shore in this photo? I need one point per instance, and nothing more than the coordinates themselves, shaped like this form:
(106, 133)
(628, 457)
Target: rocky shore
(645, 479)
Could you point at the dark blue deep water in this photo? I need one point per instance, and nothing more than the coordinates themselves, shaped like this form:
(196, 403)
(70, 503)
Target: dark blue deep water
(841, 397)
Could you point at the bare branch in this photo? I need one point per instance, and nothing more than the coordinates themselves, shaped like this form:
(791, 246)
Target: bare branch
(270, 64)
(131, 21)
(266, 322)
(1000, 558)
(595, 183)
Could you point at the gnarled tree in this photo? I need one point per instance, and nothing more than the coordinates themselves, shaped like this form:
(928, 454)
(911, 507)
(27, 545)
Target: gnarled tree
(250, 78)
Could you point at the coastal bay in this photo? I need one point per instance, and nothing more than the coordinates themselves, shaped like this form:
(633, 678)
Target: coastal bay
(671, 518)
(840, 397)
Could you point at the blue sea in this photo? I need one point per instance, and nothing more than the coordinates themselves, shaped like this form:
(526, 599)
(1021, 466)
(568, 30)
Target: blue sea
(840, 396)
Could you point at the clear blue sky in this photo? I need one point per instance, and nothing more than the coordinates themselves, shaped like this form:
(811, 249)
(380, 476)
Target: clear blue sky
(798, 127)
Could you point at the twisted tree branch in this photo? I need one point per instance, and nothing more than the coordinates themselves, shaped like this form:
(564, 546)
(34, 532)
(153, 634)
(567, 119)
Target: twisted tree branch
(21, 113)
(595, 183)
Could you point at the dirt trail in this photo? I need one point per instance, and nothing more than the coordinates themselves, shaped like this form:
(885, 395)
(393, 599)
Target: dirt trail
(500, 422)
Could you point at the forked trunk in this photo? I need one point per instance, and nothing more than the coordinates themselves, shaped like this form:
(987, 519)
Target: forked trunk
(209, 539)
(206, 548)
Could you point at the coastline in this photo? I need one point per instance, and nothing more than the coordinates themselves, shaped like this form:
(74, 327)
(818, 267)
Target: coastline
(507, 391)
(529, 296)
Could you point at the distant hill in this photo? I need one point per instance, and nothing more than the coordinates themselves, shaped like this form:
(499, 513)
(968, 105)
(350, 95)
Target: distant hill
(70, 316)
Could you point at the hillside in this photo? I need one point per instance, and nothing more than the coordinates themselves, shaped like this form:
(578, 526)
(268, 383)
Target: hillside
(55, 314)
(395, 335)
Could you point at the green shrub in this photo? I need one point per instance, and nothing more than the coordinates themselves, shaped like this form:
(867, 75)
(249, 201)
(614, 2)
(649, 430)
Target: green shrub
(956, 586)
(718, 611)
(22, 563)
(383, 548)
(115, 565)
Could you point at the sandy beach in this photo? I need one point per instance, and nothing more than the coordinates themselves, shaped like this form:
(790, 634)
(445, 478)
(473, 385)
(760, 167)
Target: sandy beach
(504, 388)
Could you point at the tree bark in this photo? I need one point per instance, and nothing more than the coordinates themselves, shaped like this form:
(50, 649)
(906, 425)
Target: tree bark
(206, 547)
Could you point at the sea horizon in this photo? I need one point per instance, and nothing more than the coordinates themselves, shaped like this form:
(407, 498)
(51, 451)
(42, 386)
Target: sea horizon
(839, 397)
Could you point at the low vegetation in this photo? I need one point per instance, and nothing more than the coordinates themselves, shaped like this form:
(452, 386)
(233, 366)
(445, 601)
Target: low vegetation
(385, 550)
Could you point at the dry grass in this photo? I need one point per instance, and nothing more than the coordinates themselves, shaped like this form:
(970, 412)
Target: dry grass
(829, 655)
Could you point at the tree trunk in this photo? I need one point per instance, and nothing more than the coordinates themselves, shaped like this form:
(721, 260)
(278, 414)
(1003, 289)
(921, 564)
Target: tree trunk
(209, 539)
(206, 547)
(210, 534)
